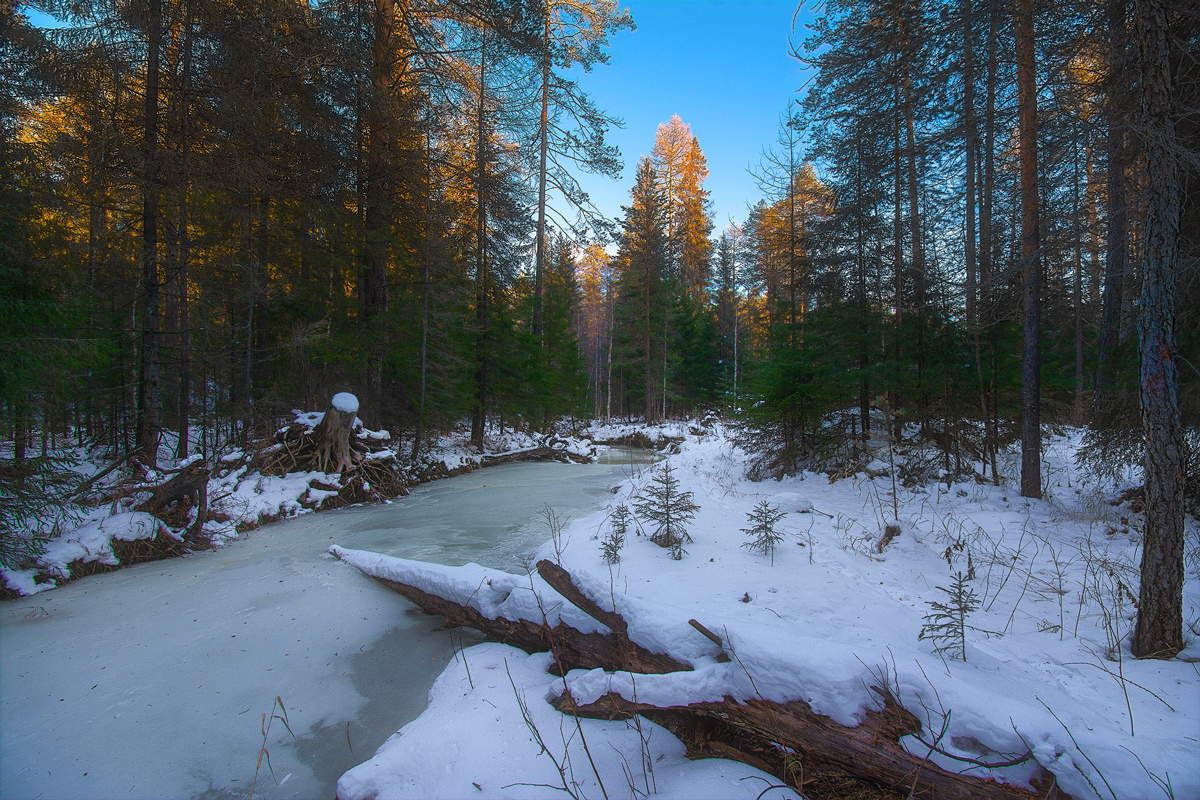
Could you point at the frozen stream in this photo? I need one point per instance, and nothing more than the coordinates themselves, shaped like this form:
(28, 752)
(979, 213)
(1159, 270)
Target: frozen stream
(151, 681)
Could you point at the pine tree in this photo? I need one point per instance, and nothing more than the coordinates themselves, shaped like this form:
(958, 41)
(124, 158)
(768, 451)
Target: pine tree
(946, 624)
(571, 129)
(672, 142)
(762, 533)
(693, 247)
(641, 297)
(614, 540)
(668, 509)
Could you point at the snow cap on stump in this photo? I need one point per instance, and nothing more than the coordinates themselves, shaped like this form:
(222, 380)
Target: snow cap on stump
(345, 402)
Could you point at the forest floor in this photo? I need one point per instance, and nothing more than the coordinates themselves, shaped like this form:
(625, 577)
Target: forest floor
(106, 531)
(843, 603)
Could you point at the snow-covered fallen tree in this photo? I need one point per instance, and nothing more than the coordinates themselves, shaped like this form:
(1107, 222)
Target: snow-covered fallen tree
(948, 631)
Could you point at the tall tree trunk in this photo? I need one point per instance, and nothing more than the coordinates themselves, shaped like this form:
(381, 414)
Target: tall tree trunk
(1117, 245)
(1031, 367)
(148, 401)
(987, 238)
(543, 147)
(425, 291)
(914, 195)
(1077, 291)
(648, 400)
(479, 417)
(1159, 630)
(864, 356)
(971, 147)
(185, 357)
(894, 401)
(377, 212)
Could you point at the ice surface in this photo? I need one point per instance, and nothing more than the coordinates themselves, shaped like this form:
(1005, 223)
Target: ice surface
(151, 682)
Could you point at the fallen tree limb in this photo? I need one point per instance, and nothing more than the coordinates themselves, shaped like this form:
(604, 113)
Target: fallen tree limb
(631, 657)
(190, 482)
(571, 648)
(786, 739)
(869, 751)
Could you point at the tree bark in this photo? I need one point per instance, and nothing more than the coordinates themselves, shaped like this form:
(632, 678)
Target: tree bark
(377, 212)
(1116, 247)
(479, 415)
(971, 147)
(1159, 630)
(870, 751)
(148, 401)
(332, 436)
(760, 732)
(1031, 278)
(544, 131)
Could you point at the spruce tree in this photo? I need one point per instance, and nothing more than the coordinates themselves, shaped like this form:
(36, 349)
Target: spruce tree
(669, 509)
(762, 533)
(641, 296)
(946, 624)
(614, 540)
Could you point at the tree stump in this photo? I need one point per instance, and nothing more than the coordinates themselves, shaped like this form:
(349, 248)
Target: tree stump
(190, 482)
(332, 434)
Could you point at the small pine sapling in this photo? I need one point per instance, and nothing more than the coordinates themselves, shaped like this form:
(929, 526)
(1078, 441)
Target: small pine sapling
(669, 509)
(614, 540)
(946, 624)
(762, 533)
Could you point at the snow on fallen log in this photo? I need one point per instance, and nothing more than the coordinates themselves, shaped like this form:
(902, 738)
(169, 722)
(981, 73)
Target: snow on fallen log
(610, 676)
(869, 751)
(493, 593)
(522, 610)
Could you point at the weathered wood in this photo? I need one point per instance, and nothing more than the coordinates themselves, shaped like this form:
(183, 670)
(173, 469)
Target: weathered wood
(869, 751)
(631, 656)
(571, 648)
(191, 481)
(332, 438)
(712, 637)
(560, 581)
(766, 734)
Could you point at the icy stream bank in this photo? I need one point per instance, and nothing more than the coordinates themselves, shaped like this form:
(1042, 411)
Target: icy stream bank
(152, 681)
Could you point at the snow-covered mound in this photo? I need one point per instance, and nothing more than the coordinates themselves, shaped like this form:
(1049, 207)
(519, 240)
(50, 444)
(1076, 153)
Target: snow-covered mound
(848, 604)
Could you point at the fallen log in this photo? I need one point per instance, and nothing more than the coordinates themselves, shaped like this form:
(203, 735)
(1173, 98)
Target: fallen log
(190, 482)
(786, 739)
(572, 648)
(773, 736)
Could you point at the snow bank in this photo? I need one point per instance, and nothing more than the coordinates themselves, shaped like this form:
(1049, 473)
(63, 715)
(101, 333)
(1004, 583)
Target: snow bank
(483, 747)
(492, 593)
(840, 611)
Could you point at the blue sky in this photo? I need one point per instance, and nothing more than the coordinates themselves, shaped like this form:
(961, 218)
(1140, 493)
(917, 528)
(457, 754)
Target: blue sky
(723, 66)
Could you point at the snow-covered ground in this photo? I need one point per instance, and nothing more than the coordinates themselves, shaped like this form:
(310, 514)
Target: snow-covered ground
(242, 496)
(1047, 669)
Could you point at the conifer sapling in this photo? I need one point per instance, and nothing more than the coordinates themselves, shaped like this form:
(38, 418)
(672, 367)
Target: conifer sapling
(762, 533)
(946, 624)
(614, 540)
(669, 509)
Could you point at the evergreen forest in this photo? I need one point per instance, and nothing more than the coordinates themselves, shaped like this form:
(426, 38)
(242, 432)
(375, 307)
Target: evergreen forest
(977, 219)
